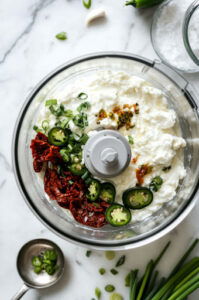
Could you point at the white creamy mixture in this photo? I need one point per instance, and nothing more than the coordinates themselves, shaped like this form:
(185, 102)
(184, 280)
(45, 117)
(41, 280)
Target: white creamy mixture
(168, 34)
(157, 141)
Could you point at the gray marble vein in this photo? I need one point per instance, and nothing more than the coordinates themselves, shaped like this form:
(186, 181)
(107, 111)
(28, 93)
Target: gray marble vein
(4, 162)
(42, 4)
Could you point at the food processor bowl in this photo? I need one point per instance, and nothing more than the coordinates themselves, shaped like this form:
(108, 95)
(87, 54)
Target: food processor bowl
(181, 97)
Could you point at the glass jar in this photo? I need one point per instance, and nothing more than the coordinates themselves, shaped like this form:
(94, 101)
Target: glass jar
(175, 34)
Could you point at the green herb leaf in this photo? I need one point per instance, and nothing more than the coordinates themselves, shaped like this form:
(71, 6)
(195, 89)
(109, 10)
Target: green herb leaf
(87, 3)
(110, 255)
(61, 36)
(114, 272)
(131, 140)
(109, 288)
(121, 261)
(102, 271)
(81, 120)
(83, 139)
(82, 96)
(84, 106)
(51, 102)
(98, 293)
(88, 253)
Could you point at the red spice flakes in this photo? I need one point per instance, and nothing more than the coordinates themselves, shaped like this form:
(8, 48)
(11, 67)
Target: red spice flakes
(42, 152)
(141, 172)
(134, 160)
(136, 108)
(102, 114)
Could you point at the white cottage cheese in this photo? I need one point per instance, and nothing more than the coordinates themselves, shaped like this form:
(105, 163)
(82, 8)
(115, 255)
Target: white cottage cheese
(155, 133)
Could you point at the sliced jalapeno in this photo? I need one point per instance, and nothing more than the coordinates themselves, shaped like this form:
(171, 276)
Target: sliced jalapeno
(77, 169)
(58, 136)
(107, 192)
(137, 198)
(94, 188)
(118, 215)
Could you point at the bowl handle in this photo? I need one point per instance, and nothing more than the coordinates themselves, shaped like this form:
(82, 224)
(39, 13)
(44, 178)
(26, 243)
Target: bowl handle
(21, 292)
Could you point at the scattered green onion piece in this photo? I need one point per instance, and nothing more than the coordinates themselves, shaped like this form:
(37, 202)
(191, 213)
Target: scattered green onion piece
(110, 255)
(114, 272)
(88, 253)
(36, 128)
(64, 155)
(84, 106)
(98, 293)
(131, 140)
(82, 96)
(120, 261)
(85, 175)
(70, 182)
(102, 271)
(87, 4)
(51, 102)
(45, 125)
(109, 288)
(61, 36)
(116, 296)
(80, 120)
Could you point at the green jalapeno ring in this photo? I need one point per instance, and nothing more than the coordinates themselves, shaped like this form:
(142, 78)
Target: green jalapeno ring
(93, 190)
(58, 136)
(118, 215)
(77, 169)
(137, 198)
(107, 192)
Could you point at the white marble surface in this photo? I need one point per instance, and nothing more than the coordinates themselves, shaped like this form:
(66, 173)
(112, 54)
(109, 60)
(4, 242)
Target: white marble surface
(28, 51)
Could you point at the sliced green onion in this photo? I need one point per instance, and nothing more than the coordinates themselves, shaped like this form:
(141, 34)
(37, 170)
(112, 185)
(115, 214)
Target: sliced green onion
(110, 255)
(87, 3)
(51, 102)
(82, 96)
(61, 36)
(102, 271)
(120, 261)
(109, 288)
(88, 253)
(131, 140)
(84, 106)
(45, 125)
(65, 155)
(116, 296)
(36, 128)
(114, 272)
(98, 293)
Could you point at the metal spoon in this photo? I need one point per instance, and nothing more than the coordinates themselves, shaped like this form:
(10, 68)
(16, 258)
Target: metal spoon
(25, 268)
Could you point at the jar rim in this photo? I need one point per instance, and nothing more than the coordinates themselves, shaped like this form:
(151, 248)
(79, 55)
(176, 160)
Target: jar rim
(185, 30)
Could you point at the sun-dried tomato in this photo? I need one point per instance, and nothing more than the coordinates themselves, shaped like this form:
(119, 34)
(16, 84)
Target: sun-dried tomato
(141, 172)
(42, 152)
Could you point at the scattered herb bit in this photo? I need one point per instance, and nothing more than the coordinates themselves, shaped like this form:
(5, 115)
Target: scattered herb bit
(82, 96)
(51, 102)
(81, 120)
(65, 155)
(84, 106)
(127, 279)
(45, 125)
(88, 253)
(165, 169)
(87, 3)
(46, 261)
(110, 255)
(156, 183)
(102, 271)
(70, 182)
(36, 128)
(56, 110)
(131, 140)
(83, 139)
(143, 3)
(61, 36)
(120, 261)
(115, 296)
(109, 288)
(98, 293)
(114, 272)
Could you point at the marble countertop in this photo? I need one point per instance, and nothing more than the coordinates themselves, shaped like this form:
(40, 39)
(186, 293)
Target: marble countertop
(28, 52)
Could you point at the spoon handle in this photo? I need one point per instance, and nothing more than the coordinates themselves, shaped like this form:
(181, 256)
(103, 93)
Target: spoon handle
(21, 292)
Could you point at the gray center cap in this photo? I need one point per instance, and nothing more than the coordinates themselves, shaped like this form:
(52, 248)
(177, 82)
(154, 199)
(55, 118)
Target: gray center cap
(107, 153)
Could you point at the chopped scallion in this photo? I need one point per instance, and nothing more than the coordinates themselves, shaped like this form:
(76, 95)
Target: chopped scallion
(87, 3)
(88, 253)
(51, 102)
(82, 96)
(114, 272)
(102, 271)
(121, 261)
(109, 288)
(98, 293)
(110, 255)
(61, 36)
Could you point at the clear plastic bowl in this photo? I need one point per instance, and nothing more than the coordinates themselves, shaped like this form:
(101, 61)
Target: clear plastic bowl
(180, 96)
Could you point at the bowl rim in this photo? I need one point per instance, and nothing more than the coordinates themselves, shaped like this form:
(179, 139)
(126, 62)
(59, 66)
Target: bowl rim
(155, 233)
